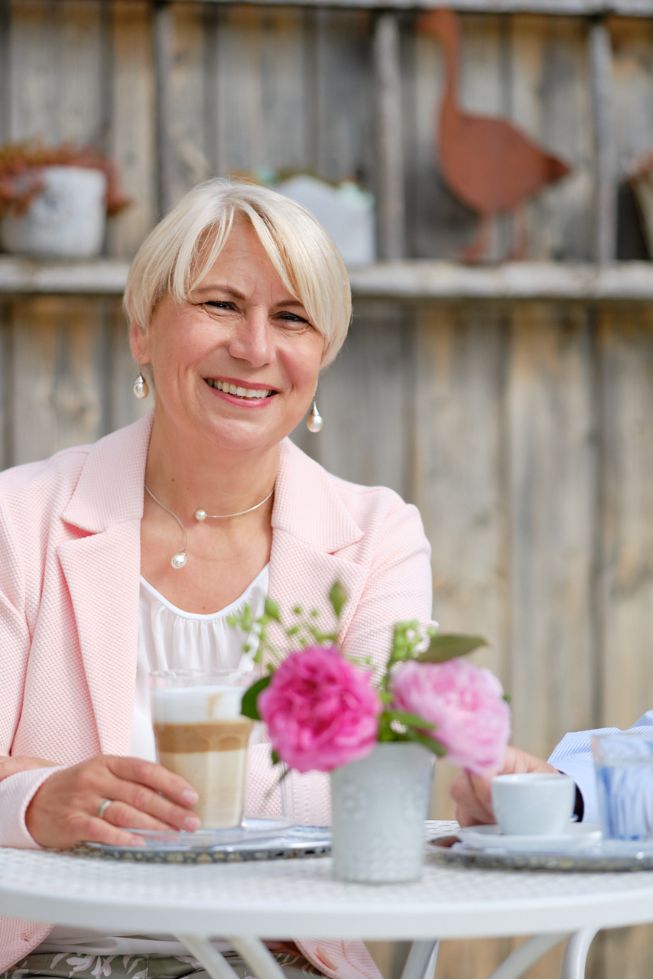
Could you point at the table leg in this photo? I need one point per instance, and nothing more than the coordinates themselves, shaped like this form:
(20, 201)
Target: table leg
(573, 967)
(208, 956)
(525, 955)
(421, 960)
(257, 956)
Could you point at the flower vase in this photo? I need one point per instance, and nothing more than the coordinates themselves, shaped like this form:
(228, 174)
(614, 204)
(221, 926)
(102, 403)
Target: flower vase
(378, 808)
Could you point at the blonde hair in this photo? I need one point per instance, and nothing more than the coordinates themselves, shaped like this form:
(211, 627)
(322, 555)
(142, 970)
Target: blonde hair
(179, 252)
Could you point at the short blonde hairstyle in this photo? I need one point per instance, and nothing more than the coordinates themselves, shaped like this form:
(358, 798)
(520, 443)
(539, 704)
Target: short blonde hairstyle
(180, 251)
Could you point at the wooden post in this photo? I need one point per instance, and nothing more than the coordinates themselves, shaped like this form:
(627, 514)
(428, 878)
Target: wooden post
(390, 181)
(162, 38)
(605, 196)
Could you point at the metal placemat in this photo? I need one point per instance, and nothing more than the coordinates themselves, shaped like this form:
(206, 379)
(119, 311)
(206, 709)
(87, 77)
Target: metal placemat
(210, 847)
(603, 856)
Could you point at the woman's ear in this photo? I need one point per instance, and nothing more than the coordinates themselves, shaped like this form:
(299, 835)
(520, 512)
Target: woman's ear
(139, 343)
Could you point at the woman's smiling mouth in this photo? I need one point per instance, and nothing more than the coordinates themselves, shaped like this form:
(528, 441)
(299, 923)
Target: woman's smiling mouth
(240, 391)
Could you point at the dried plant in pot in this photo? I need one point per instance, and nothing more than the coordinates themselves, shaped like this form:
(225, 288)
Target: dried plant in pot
(54, 201)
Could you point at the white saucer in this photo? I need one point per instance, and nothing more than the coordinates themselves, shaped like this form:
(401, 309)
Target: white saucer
(490, 838)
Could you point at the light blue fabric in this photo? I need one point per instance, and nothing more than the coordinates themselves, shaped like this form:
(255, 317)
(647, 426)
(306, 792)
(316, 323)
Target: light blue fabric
(573, 755)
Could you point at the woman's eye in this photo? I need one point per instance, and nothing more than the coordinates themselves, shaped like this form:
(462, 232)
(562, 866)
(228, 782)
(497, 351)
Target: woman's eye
(220, 304)
(289, 317)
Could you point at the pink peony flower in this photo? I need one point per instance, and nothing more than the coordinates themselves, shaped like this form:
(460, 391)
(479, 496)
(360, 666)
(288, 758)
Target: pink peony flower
(463, 703)
(321, 712)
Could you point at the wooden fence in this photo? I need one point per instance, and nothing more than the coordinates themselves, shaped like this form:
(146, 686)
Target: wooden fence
(521, 428)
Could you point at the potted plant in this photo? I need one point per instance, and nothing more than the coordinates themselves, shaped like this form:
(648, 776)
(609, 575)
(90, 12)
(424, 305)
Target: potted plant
(54, 200)
(377, 736)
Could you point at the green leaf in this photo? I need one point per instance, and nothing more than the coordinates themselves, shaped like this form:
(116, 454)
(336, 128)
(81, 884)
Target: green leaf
(337, 598)
(249, 704)
(405, 718)
(276, 759)
(447, 646)
(272, 610)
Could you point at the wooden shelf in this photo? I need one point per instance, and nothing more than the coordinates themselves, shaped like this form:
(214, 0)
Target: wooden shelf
(556, 8)
(417, 280)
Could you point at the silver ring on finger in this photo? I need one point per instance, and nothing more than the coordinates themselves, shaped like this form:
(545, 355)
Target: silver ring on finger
(103, 807)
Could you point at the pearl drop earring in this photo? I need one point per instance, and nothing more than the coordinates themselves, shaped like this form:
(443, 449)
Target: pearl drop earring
(314, 421)
(141, 388)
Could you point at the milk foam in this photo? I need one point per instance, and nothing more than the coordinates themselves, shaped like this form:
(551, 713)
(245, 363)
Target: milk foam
(188, 705)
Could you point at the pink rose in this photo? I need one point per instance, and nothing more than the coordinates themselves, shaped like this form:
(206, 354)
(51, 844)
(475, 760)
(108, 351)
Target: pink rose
(464, 704)
(321, 712)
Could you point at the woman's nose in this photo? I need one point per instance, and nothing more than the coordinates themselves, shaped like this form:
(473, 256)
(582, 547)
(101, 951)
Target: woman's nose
(251, 341)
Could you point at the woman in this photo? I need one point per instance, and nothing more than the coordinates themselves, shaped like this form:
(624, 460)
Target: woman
(125, 555)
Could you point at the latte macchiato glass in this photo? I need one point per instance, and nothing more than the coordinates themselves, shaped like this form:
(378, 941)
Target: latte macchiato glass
(201, 735)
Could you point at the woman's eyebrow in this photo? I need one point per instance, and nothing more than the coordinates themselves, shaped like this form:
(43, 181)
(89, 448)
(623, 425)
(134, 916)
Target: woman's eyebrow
(232, 291)
(222, 287)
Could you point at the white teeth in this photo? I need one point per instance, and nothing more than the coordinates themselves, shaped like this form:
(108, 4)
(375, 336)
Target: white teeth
(239, 390)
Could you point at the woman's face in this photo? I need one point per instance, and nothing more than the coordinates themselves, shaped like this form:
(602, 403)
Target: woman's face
(239, 360)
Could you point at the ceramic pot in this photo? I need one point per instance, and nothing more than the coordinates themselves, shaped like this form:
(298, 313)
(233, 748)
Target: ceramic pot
(378, 808)
(65, 220)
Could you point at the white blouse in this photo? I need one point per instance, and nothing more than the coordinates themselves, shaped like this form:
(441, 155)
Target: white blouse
(168, 639)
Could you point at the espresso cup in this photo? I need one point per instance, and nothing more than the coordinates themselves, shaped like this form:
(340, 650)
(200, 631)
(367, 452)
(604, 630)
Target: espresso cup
(537, 803)
(201, 735)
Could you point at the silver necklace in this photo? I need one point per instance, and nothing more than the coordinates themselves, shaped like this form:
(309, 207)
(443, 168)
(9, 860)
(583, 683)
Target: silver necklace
(180, 558)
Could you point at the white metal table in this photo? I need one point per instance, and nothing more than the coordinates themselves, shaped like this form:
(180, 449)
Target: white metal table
(252, 901)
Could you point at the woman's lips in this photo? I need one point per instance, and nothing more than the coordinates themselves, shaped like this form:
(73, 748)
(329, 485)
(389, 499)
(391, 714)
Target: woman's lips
(240, 394)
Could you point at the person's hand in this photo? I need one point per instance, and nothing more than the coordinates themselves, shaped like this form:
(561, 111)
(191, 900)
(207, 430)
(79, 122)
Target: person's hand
(473, 794)
(65, 810)
(9, 765)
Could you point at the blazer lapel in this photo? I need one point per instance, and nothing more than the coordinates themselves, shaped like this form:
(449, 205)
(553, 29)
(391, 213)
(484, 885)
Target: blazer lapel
(102, 572)
(101, 566)
(312, 530)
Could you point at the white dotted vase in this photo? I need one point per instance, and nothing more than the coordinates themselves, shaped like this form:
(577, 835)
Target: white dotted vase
(378, 808)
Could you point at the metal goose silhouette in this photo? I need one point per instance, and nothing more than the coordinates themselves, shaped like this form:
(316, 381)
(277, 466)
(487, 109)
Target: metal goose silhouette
(486, 161)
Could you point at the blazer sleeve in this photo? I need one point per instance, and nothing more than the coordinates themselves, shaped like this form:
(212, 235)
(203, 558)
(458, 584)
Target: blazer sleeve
(16, 790)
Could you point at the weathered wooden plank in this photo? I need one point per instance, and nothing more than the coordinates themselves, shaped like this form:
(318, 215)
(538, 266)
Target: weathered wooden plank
(34, 72)
(56, 366)
(189, 106)
(549, 98)
(343, 77)
(390, 171)
(625, 582)
(365, 400)
(632, 90)
(131, 139)
(458, 472)
(5, 71)
(162, 39)
(258, 71)
(605, 190)
(554, 503)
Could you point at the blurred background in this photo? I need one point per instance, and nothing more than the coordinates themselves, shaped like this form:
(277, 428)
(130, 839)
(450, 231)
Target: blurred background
(508, 393)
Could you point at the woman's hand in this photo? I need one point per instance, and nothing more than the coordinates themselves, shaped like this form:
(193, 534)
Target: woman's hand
(65, 809)
(473, 794)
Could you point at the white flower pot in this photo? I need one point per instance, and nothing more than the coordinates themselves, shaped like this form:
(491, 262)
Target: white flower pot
(378, 808)
(65, 220)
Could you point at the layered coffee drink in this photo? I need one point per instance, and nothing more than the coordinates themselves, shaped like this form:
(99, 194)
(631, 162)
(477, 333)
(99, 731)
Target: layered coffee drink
(201, 735)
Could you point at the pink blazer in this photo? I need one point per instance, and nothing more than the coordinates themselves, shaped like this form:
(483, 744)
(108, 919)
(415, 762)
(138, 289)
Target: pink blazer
(69, 590)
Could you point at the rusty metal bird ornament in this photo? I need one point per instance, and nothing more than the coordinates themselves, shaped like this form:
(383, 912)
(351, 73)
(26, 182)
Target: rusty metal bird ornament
(489, 164)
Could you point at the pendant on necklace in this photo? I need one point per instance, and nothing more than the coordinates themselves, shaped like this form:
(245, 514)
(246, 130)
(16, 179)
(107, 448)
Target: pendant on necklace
(179, 559)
